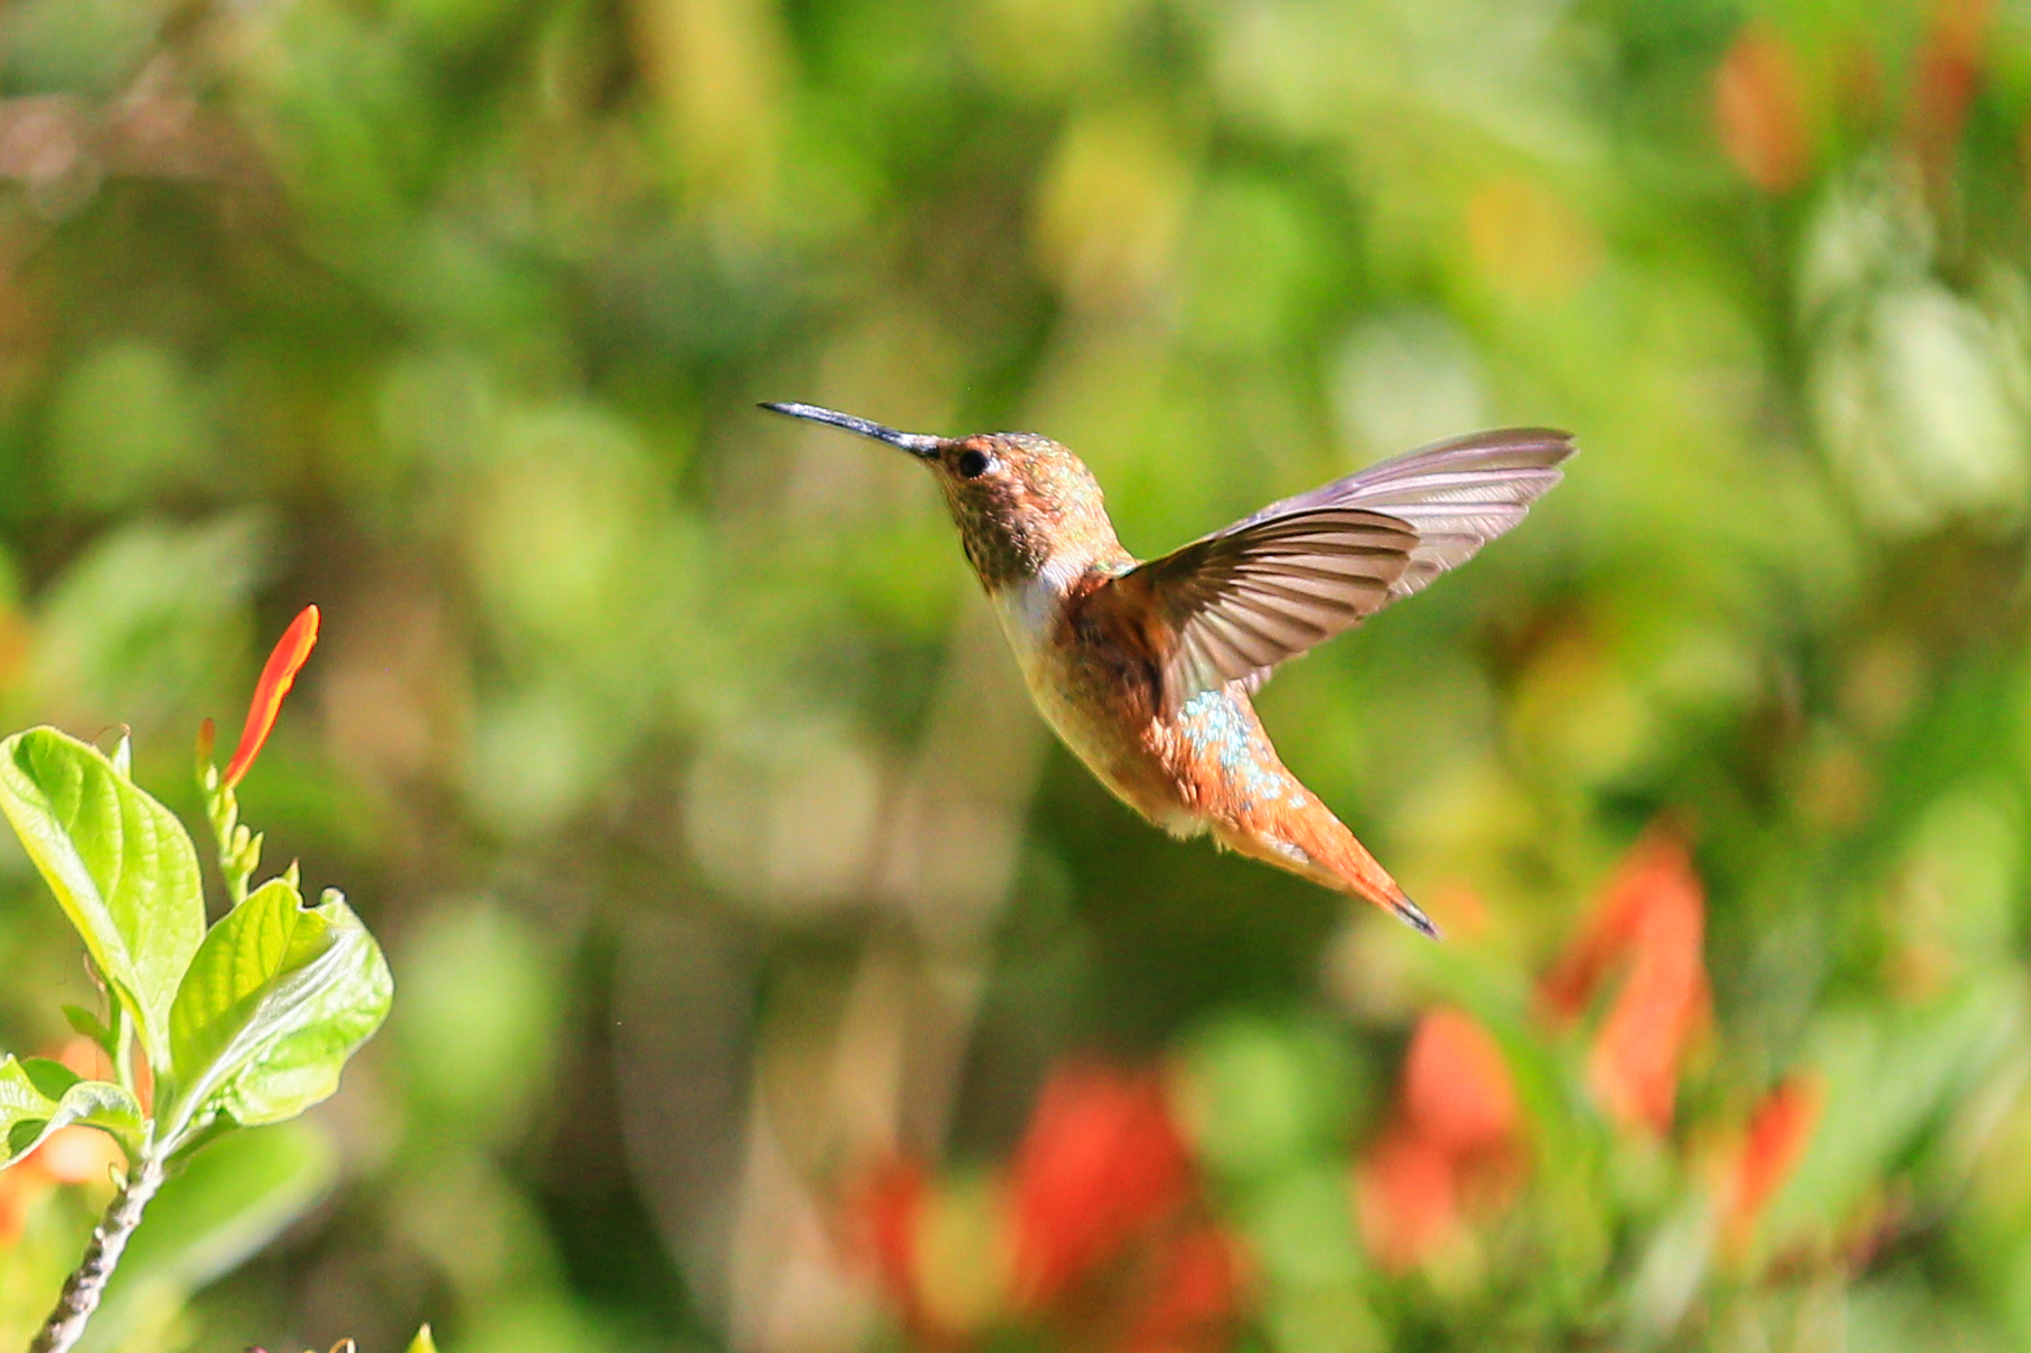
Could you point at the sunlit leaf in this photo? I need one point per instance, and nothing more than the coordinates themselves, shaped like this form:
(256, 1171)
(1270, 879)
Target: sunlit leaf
(120, 864)
(39, 1096)
(276, 1000)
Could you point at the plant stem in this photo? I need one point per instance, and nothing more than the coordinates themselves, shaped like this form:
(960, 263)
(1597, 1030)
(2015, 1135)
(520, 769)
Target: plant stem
(81, 1292)
(123, 1048)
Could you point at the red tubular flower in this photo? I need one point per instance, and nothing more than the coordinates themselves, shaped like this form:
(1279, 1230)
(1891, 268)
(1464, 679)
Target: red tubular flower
(1611, 928)
(1098, 1233)
(1456, 1087)
(891, 1205)
(276, 678)
(1779, 1132)
(1457, 1124)
(1406, 1198)
(1102, 1160)
(1191, 1303)
(888, 1213)
(1637, 1054)
(1653, 912)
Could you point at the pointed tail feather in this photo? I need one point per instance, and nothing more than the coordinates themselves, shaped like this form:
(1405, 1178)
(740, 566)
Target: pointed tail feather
(1357, 872)
(1312, 842)
(1413, 916)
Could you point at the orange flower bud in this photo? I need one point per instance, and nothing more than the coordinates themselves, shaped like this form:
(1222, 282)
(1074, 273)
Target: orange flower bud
(276, 679)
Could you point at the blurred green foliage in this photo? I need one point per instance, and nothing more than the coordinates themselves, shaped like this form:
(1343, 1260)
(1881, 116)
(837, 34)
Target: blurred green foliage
(672, 752)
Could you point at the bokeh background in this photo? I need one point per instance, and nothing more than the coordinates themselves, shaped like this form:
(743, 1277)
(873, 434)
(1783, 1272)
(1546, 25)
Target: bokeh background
(766, 979)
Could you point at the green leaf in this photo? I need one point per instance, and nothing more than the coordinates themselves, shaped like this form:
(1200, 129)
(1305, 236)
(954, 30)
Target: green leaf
(39, 1096)
(51, 1078)
(86, 1025)
(277, 999)
(121, 867)
(423, 1343)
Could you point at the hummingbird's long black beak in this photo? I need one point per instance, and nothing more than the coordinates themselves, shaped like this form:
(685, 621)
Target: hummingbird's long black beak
(919, 444)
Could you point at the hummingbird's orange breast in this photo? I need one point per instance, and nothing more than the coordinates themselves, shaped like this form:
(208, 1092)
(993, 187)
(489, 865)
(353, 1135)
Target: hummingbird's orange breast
(1207, 766)
(1094, 677)
(1094, 686)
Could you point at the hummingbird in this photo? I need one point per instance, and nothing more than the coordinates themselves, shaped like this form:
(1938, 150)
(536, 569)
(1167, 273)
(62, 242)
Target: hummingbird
(1144, 668)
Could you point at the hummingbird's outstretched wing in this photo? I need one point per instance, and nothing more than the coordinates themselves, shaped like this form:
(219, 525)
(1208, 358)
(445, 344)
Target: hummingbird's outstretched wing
(1457, 494)
(1235, 604)
(1273, 585)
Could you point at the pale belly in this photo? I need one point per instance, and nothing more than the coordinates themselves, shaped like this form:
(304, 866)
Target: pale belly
(1117, 758)
(1133, 774)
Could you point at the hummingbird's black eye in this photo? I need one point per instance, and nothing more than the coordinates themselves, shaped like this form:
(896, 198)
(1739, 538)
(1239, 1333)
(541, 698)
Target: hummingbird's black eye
(971, 464)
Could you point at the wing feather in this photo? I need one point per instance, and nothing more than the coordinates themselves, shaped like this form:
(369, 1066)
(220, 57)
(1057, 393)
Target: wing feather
(1276, 584)
(1243, 600)
(1457, 495)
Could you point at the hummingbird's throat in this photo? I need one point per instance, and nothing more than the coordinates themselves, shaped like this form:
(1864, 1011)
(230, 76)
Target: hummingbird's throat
(1043, 507)
(1007, 538)
(1003, 560)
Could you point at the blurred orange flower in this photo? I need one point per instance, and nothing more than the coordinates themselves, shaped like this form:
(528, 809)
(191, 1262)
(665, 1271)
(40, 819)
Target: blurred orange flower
(1456, 1087)
(1949, 70)
(1101, 1214)
(1760, 109)
(1653, 913)
(277, 676)
(1405, 1199)
(1779, 1131)
(1192, 1296)
(20, 1185)
(1102, 1161)
(889, 1210)
(1452, 1145)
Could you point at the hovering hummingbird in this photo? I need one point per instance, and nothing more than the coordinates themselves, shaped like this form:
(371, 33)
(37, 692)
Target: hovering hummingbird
(1144, 669)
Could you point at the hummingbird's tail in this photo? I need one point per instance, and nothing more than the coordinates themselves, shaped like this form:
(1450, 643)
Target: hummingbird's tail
(1310, 841)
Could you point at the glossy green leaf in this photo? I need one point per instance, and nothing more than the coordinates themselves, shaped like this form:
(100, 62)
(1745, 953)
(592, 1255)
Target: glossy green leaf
(120, 864)
(423, 1342)
(39, 1096)
(276, 1000)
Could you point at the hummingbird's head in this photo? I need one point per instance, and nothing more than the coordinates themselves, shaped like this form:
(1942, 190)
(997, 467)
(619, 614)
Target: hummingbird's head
(1018, 499)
